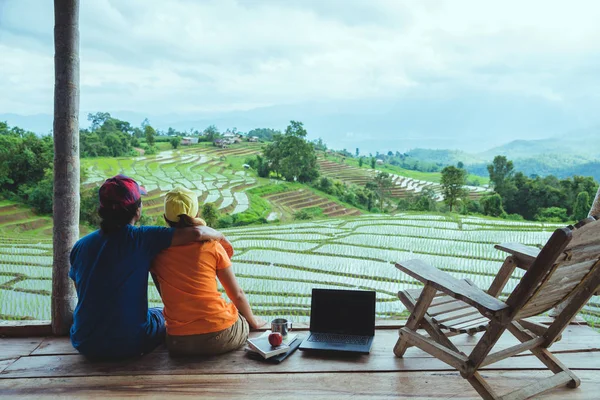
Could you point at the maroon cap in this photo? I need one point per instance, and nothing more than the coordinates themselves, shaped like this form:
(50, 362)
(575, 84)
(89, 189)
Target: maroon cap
(119, 192)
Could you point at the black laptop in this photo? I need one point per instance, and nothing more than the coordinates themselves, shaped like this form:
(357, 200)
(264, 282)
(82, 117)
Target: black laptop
(341, 320)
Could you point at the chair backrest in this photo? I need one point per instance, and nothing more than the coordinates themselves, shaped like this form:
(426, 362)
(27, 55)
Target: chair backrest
(569, 257)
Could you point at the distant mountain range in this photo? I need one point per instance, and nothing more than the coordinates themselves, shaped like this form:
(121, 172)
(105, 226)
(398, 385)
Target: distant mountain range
(574, 153)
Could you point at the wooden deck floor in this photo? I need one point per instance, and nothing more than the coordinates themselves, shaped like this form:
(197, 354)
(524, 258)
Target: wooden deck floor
(49, 367)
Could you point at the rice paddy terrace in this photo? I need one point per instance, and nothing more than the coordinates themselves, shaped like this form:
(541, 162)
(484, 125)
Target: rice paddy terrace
(203, 169)
(218, 177)
(279, 264)
(402, 185)
(296, 200)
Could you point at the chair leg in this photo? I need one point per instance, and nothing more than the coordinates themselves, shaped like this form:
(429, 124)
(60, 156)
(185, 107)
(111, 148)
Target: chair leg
(481, 386)
(544, 355)
(414, 321)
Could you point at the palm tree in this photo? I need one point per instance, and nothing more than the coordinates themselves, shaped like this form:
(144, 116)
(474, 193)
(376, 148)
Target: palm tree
(66, 159)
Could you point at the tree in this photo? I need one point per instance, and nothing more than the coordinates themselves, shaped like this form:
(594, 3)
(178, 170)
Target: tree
(211, 132)
(582, 206)
(24, 158)
(492, 205)
(265, 134)
(326, 184)
(357, 151)
(98, 119)
(319, 144)
(552, 214)
(260, 165)
(460, 165)
(291, 156)
(381, 185)
(175, 141)
(453, 182)
(210, 214)
(149, 132)
(501, 171)
(425, 201)
(373, 162)
(360, 162)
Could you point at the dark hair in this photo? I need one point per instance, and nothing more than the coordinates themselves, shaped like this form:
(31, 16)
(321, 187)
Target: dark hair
(111, 220)
(184, 221)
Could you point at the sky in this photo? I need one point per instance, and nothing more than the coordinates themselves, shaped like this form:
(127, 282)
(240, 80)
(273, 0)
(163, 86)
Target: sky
(461, 74)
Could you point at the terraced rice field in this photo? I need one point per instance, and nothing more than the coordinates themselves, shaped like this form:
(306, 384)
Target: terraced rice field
(278, 265)
(293, 201)
(402, 185)
(202, 169)
(15, 218)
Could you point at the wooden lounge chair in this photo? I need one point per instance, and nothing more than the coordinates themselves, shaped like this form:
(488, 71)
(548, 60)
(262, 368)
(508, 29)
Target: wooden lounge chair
(568, 266)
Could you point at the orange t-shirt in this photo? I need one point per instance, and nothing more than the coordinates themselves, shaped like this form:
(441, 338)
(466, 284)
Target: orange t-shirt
(187, 277)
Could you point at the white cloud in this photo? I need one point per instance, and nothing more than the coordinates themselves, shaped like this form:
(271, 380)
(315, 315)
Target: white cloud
(159, 56)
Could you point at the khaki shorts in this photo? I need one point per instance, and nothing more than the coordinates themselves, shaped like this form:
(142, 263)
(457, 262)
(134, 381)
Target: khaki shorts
(210, 343)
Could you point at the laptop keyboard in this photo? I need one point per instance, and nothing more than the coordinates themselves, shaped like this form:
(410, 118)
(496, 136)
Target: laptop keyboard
(337, 338)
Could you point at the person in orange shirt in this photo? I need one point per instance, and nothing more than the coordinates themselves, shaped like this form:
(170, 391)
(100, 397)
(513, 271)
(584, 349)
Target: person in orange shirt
(199, 321)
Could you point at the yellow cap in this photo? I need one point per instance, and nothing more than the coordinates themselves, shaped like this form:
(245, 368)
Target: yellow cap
(180, 201)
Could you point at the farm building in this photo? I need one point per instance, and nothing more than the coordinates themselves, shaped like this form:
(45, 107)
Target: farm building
(253, 139)
(186, 141)
(379, 162)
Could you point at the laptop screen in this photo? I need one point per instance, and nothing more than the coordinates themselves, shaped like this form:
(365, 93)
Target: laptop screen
(349, 312)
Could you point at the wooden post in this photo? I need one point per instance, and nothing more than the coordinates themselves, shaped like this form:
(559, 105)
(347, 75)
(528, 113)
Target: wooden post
(66, 159)
(595, 210)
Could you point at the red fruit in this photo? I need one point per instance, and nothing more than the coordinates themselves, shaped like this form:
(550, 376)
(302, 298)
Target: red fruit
(275, 339)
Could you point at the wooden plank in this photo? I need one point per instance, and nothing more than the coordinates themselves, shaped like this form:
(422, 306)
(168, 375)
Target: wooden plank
(458, 317)
(583, 236)
(6, 362)
(17, 347)
(523, 253)
(456, 288)
(416, 385)
(475, 325)
(575, 338)
(448, 307)
(536, 274)
(25, 328)
(381, 359)
(539, 387)
(579, 254)
(576, 303)
(565, 269)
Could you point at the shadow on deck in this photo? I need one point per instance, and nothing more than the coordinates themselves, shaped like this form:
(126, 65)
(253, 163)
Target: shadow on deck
(38, 367)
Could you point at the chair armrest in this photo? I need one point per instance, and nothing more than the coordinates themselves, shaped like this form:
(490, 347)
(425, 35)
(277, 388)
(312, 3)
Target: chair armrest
(456, 288)
(525, 255)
